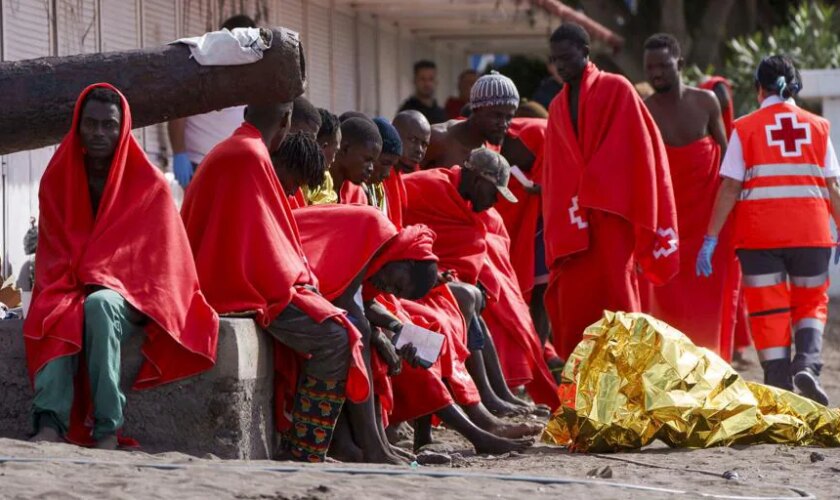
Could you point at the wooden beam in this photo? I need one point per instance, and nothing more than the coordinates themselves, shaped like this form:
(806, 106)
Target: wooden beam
(160, 84)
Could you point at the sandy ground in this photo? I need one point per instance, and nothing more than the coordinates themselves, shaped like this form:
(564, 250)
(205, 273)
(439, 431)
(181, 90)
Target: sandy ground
(761, 471)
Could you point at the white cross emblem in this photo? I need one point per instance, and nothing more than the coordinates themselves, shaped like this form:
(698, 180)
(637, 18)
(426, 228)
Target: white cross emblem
(788, 134)
(667, 236)
(574, 216)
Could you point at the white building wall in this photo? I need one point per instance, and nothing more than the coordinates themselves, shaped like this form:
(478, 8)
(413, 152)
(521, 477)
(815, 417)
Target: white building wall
(390, 77)
(353, 62)
(26, 34)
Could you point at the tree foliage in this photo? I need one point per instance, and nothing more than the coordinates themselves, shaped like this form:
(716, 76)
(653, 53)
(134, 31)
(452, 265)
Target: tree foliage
(811, 37)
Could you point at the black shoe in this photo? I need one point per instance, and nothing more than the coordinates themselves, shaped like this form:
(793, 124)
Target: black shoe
(809, 386)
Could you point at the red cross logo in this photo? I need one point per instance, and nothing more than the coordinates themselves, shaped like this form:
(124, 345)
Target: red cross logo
(666, 242)
(788, 134)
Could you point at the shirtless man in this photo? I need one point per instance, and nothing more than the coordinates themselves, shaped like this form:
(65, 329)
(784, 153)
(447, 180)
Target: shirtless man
(683, 113)
(690, 122)
(493, 101)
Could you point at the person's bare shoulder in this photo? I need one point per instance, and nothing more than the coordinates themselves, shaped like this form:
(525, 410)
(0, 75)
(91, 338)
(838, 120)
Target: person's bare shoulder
(703, 98)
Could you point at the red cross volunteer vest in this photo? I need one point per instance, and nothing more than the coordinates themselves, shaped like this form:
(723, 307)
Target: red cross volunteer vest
(784, 201)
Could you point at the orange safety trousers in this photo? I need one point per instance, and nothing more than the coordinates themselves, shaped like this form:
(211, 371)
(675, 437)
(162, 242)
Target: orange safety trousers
(786, 291)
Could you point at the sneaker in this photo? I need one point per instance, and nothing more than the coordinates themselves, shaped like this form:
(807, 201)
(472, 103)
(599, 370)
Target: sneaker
(809, 386)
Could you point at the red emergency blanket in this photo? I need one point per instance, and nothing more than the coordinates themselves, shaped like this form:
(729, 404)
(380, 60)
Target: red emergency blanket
(247, 246)
(134, 245)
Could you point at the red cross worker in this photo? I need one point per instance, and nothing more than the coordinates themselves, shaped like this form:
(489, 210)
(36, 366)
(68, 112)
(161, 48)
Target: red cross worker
(780, 177)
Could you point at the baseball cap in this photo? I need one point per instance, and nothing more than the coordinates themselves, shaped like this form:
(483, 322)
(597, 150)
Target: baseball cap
(493, 167)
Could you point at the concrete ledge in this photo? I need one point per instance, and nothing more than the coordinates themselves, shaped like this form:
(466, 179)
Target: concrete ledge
(227, 411)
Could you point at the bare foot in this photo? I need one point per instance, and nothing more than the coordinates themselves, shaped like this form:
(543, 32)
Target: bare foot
(399, 432)
(47, 434)
(109, 442)
(404, 454)
(541, 410)
(497, 445)
(514, 431)
(502, 408)
(384, 457)
(345, 452)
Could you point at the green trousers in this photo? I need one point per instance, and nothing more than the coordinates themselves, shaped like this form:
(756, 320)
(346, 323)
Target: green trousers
(106, 327)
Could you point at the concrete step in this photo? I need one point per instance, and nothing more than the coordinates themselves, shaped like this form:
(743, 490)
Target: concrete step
(227, 411)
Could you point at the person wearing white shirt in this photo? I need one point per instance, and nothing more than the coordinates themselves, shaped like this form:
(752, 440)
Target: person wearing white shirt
(194, 136)
(782, 179)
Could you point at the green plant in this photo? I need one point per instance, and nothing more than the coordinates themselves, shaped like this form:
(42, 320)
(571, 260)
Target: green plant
(811, 37)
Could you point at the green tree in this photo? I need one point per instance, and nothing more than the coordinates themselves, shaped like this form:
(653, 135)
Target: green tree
(811, 38)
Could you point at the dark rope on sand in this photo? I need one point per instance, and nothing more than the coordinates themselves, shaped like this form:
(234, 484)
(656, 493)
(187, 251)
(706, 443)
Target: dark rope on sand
(411, 472)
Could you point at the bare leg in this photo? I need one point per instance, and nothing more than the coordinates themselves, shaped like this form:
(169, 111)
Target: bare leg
(395, 451)
(484, 419)
(494, 371)
(482, 440)
(422, 432)
(343, 448)
(47, 434)
(538, 314)
(477, 370)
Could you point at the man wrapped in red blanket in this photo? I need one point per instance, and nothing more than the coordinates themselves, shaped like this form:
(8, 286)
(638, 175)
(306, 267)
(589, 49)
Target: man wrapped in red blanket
(608, 205)
(472, 242)
(113, 261)
(249, 258)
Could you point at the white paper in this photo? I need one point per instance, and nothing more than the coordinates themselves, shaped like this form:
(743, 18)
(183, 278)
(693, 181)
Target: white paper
(520, 176)
(427, 342)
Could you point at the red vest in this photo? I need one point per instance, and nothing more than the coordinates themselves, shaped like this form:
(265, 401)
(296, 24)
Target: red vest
(784, 202)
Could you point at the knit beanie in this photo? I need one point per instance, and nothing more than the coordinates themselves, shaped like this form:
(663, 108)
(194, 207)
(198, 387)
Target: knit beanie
(494, 89)
(391, 142)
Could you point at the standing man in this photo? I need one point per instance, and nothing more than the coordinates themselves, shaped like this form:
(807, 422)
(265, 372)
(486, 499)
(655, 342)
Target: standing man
(493, 101)
(194, 136)
(608, 205)
(690, 121)
(466, 80)
(781, 177)
(723, 91)
(425, 85)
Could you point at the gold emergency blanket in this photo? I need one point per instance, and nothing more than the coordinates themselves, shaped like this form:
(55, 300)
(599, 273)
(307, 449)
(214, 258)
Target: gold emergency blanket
(634, 379)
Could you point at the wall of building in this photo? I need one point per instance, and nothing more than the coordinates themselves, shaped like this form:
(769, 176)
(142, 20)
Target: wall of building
(354, 61)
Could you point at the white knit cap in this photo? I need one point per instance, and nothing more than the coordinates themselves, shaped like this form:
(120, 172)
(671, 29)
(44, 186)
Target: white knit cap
(494, 89)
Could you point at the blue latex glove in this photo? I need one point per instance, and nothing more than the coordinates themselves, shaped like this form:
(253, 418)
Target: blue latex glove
(704, 257)
(183, 169)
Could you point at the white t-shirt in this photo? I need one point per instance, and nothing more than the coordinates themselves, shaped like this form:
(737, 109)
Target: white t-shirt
(734, 167)
(203, 132)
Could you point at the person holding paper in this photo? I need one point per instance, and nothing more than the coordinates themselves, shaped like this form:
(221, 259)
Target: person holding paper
(375, 255)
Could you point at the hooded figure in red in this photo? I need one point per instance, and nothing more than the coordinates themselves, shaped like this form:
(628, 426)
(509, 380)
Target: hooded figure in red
(250, 259)
(113, 258)
(361, 246)
(608, 204)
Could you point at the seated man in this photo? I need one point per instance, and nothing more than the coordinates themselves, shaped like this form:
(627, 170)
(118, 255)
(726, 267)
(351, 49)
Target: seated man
(415, 134)
(250, 260)
(371, 251)
(400, 264)
(329, 140)
(493, 103)
(383, 187)
(298, 163)
(457, 204)
(361, 145)
(113, 261)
